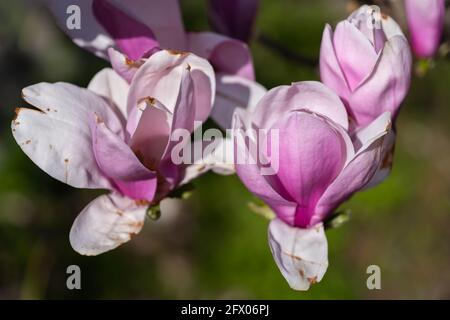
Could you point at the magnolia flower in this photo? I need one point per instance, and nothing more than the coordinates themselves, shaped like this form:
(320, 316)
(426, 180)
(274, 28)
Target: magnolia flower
(129, 34)
(426, 22)
(233, 18)
(319, 167)
(367, 64)
(116, 136)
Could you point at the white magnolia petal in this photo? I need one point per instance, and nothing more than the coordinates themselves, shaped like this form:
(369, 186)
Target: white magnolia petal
(104, 224)
(111, 86)
(300, 254)
(57, 137)
(234, 92)
(375, 130)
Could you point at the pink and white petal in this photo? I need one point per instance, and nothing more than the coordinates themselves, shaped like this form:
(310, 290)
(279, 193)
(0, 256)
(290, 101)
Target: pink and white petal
(104, 224)
(234, 92)
(108, 84)
(218, 49)
(132, 37)
(160, 78)
(183, 119)
(143, 191)
(91, 36)
(151, 126)
(114, 157)
(308, 95)
(330, 70)
(57, 137)
(300, 254)
(387, 86)
(124, 66)
(359, 172)
(387, 156)
(267, 187)
(163, 17)
(358, 62)
(391, 27)
(311, 155)
(378, 128)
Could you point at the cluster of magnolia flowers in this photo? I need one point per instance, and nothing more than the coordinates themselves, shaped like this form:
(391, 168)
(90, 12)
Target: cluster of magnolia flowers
(336, 137)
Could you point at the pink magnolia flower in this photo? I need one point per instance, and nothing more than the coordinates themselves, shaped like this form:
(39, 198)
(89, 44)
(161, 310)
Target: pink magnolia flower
(234, 18)
(426, 22)
(367, 64)
(320, 166)
(129, 34)
(116, 136)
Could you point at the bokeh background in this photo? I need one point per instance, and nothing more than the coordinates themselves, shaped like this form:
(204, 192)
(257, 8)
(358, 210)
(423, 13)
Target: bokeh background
(212, 245)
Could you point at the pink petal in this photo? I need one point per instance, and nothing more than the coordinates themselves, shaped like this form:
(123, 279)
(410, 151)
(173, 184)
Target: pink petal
(114, 157)
(124, 66)
(387, 85)
(354, 52)
(218, 49)
(312, 154)
(307, 95)
(160, 78)
(330, 70)
(358, 172)
(91, 36)
(426, 20)
(266, 187)
(106, 223)
(132, 37)
(163, 17)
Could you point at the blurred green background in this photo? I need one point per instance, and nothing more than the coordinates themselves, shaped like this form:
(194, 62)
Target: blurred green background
(213, 246)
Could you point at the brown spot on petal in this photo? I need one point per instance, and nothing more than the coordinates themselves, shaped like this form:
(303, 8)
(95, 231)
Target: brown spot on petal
(16, 114)
(188, 68)
(312, 280)
(201, 168)
(384, 16)
(301, 273)
(142, 202)
(293, 256)
(133, 63)
(148, 100)
(177, 52)
(129, 62)
(66, 162)
(135, 225)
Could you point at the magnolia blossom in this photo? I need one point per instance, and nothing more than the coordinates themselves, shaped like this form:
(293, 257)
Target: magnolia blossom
(129, 33)
(367, 64)
(426, 22)
(320, 166)
(234, 18)
(116, 136)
